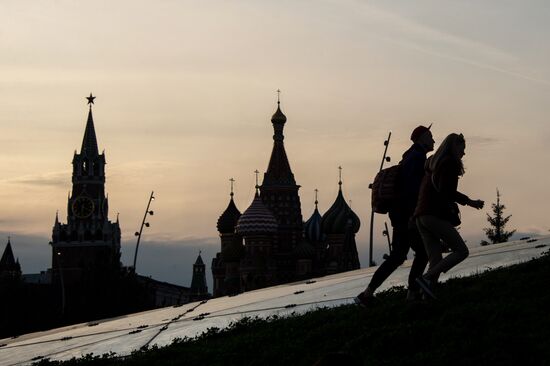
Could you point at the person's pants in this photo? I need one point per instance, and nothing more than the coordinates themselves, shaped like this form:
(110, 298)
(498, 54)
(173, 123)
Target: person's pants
(405, 236)
(434, 230)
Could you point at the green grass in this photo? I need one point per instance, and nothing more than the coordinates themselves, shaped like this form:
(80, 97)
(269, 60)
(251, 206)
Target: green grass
(501, 317)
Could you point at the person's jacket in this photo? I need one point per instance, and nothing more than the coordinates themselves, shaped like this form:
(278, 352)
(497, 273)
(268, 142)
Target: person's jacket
(410, 178)
(438, 193)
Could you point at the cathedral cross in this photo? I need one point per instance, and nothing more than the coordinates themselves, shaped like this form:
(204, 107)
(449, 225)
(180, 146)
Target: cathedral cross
(316, 202)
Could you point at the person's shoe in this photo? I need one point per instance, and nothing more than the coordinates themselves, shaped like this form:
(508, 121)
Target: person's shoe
(365, 300)
(426, 287)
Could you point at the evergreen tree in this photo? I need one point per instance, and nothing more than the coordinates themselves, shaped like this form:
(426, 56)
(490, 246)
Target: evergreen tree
(496, 233)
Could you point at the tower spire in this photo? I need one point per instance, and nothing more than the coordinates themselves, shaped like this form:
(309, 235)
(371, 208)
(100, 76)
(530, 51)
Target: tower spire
(89, 142)
(7, 261)
(278, 171)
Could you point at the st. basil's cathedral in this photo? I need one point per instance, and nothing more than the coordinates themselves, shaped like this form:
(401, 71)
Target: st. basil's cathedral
(269, 244)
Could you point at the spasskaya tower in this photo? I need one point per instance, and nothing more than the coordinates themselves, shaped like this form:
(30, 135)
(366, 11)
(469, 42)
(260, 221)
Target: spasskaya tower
(88, 241)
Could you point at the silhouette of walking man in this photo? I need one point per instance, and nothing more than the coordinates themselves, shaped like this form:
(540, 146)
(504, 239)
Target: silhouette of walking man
(405, 233)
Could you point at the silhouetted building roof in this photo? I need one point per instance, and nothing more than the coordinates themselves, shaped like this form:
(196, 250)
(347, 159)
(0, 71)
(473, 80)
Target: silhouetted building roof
(312, 227)
(257, 219)
(199, 260)
(278, 171)
(89, 142)
(334, 221)
(228, 219)
(9, 267)
(8, 262)
(278, 116)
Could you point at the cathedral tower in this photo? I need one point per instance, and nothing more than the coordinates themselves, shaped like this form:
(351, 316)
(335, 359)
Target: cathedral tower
(279, 192)
(88, 241)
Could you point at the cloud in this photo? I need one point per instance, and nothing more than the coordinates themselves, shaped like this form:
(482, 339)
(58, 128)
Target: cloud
(483, 140)
(54, 179)
(406, 32)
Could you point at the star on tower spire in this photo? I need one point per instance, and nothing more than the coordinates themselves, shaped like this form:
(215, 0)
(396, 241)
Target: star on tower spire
(90, 100)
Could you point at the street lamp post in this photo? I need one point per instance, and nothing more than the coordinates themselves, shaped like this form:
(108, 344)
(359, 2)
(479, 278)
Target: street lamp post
(143, 223)
(384, 159)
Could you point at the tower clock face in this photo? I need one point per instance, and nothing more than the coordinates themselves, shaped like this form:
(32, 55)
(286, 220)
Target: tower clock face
(83, 207)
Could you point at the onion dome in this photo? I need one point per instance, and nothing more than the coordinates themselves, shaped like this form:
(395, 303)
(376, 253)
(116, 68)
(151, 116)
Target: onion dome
(278, 116)
(312, 227)
(335, 220)
(257, 219)
(304, 250)
(228, 219)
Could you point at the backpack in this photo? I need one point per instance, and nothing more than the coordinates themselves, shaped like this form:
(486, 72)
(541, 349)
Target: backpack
(385, 189)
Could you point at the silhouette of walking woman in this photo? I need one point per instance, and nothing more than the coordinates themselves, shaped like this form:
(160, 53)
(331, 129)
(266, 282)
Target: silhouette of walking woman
(437, 212)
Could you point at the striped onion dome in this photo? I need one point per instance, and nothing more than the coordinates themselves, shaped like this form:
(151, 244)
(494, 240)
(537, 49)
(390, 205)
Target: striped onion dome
(229, 218)
(335, 220)
(312, 227)
(257, 219)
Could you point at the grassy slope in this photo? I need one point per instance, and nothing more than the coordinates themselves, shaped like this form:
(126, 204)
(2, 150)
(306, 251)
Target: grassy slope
(501, 317)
